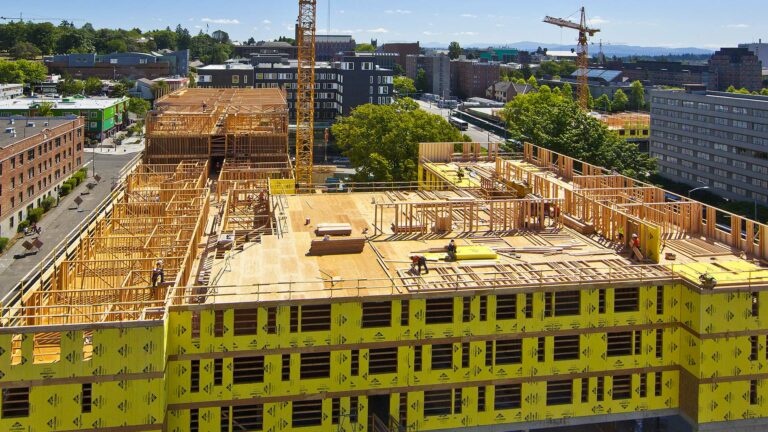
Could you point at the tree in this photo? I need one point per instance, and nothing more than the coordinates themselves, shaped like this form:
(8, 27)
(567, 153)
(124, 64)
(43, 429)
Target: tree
(119, 90)
(532, 81)
(285, 39)
(557, 123)
(10, 73)
(731, 89)
(421, 81)
(33, 71)
(251, 41)
(381, 141)
(45, 109)
(404, 86)
(568, 91)
(192, 77)
(69, 86)
(637, 96)
(399, 71)
(93, 86)
(620, 101)
(603, 103)
(365, 47)
(165, 39)
(764, 92)
(26, 51)
(454, 50)
(138, 106)
(116, 46)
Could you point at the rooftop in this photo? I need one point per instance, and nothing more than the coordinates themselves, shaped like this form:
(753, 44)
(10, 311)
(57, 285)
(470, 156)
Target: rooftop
(26, 127)
(524, 223)
(74, 102)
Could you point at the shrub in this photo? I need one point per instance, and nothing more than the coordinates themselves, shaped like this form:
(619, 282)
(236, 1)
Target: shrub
(79, 176)
(23, 224)
(65, 189)
(47, 203)
(34, 215)
(73, 181)
(3, 243)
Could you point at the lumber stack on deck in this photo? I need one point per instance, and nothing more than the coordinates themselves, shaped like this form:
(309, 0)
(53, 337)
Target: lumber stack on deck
(331, 246)
(333, 229)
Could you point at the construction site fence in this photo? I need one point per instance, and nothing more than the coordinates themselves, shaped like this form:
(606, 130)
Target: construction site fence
(61, 251)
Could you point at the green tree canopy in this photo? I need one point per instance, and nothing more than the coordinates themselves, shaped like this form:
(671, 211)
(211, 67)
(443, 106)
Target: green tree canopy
(138, 106)
(568, 90)
(556, 123)
(93, 86)
(382, 140)
(404, 85)
(69, 86)
(33, 71)
(454, 50)
(620, 101)
(637, 96)
(421, 81)
(25, 50)
(532, 81)
(603, 103)
(365, 47)
(45, 109)
(119, 90)
(10, 73)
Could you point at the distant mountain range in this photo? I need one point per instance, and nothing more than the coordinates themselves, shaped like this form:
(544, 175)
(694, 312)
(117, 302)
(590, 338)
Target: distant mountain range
(609, 50)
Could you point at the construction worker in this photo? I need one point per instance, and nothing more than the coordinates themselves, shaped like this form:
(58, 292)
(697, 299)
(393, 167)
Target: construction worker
(417, 262)
(460, 174)
(158, 275)
(451, 248)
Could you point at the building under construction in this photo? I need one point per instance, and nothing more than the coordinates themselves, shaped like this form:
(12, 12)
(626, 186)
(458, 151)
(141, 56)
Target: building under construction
(283, 309)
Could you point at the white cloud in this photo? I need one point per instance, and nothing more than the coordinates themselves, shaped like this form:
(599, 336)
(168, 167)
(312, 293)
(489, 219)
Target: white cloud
(266, 22)
(378, 30)
(468, 33)
(255, 29)
(341, 12)
(398, 11)
(466, 15)
(597, 21)
(738, 26)
(429, 33)
(220, 21)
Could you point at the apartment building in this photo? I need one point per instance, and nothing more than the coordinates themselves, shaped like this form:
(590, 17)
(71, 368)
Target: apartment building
(713, 139)
(11, 91)
(36, 155)
(341, 86)
(471, 78)
(403, 50)
(669, 73)
(437, 69)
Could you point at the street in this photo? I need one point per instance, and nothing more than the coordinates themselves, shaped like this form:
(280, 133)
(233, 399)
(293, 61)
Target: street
(62, 219)
(474, 132)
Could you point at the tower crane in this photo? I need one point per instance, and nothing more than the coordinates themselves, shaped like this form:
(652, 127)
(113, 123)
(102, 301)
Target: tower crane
(305, 91)
(582, 51)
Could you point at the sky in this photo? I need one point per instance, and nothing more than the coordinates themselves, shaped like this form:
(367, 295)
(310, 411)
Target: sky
(677, 23)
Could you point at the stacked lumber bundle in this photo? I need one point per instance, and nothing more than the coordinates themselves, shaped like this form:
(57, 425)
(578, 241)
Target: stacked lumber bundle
(345, 246)
(333, 229)
(578, 225)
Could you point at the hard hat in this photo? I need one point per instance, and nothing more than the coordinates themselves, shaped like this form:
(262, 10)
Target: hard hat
(634, 235)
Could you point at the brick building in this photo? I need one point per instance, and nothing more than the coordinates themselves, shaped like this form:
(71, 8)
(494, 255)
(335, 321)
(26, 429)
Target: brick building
(36, 156)
(403, 50)
(471, 78)
(738, 67)
(668, 73)
(437, 69)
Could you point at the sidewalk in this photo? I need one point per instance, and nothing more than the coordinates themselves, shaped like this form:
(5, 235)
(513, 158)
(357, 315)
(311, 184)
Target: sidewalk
(60, 221)
(129, 146)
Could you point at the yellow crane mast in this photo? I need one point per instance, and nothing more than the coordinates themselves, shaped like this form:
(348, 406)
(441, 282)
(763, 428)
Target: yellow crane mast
(582, 51)
(305, 91)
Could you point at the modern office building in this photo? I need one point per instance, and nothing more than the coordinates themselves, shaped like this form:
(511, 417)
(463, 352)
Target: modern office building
(403, 50)
(341, 86)
(36, 155)
(437, 69)
(103, 116)
(471, 78)
(712, 139)
(132, 65)
(738, 67)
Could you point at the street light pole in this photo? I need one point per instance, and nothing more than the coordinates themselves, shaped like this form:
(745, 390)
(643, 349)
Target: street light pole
(695, 189)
